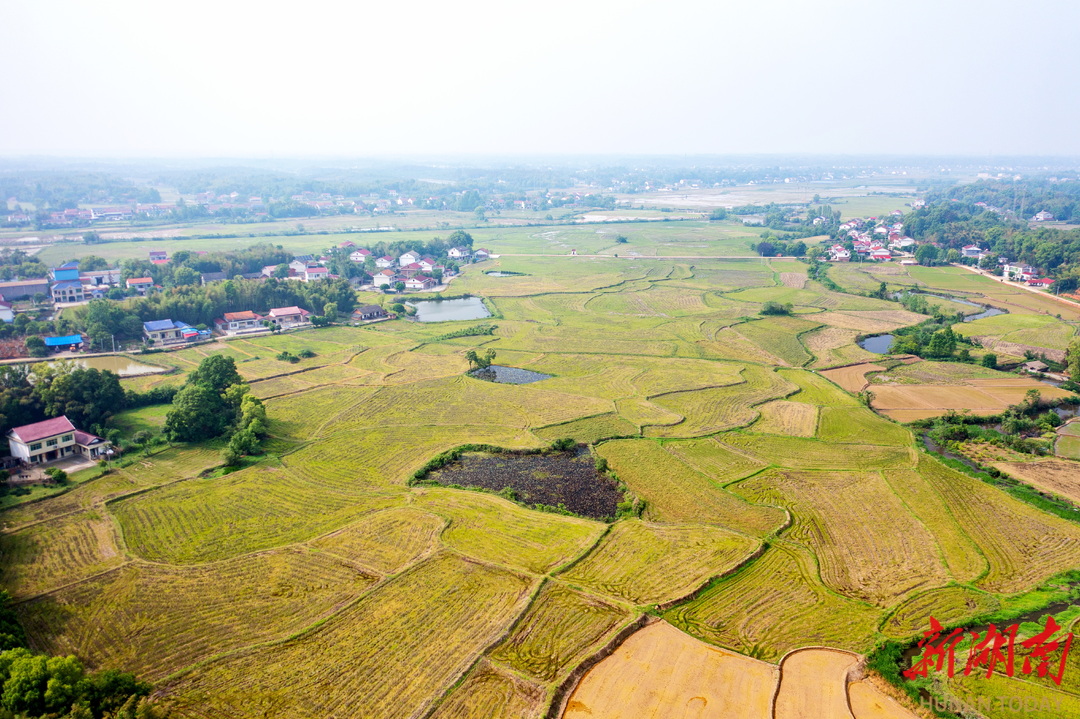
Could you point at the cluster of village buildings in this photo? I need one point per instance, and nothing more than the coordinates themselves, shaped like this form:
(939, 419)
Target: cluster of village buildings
(886, 241)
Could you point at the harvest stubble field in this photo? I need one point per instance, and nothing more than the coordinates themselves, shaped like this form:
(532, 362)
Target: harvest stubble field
(779, 512)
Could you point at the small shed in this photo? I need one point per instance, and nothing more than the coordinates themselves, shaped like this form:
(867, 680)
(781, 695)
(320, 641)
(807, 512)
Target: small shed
(1035, 366)
(62, 344)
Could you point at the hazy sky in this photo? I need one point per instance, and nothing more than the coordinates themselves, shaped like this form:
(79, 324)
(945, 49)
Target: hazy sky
(238, 78)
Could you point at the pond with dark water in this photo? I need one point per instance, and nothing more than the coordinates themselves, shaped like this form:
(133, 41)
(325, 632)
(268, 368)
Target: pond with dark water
(878, 344)
(569, 479)
(504, 274)
(466, 308)
(508, 375)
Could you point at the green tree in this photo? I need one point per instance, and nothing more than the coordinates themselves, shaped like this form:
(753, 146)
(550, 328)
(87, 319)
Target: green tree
(86, 396)
(281, 271)
(93, 262)
(1073, 360)
(330, 311)
(217, 372)
(989, 360)
(197, 413)
(942, 344)
(926, 254)
(185, 276)
(35, 346)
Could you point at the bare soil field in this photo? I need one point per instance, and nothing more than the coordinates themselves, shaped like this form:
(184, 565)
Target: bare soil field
(660, 672)
(852, 378)
(1059, 476)
(813, 684)
(793, 279)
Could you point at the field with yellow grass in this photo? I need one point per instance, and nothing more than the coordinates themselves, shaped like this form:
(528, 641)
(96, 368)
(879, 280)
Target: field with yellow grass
(768, 527)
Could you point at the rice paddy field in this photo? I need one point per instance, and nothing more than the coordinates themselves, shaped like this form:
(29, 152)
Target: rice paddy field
(763, 508)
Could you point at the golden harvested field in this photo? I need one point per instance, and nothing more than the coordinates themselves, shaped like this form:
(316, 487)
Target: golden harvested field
(949, 605)
(157, 619)
(813, 682)
(659, 672)
(1057, 476)
(646, 563)
(492, 693)
(783, 585)
(766, 508)
(852, 378)
(57, 552)
(388, 632)
(986, 397)
(787, 418)
(869, 545)
(557, 631)
(869, 702)
(1036, 546)
(674, 492)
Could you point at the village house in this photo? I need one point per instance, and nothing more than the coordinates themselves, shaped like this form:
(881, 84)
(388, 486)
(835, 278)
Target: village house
(1034, 367)
(427, 264)
(880, 255)
(312, 274)
(971, 251)
(68, 291)
(238, 321)
(54, 439)
(457, 253)
(7, 312)
(408, 258)
(411, 270)
(1043, 283)
(208, 277)
(168, 332)
(419, 283)
(1020, 272)
(140, 284)
(285, 317)
(839, 253)
(384, 262)
(481, 254)
(100, 278)
(384, 278)
(360, 255)
(1043, 216)
(159, 255)
(369, 312)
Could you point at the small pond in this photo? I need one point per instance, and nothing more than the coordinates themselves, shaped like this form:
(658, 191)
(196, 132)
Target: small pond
(467, 308)
(508, 375)
(120, 364)
(879, 344)
(551, 479)
(988, 312)
(504, 274)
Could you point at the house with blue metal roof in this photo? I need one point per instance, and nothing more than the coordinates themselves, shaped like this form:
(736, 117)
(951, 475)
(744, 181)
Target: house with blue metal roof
(68, 290)
(168, 332)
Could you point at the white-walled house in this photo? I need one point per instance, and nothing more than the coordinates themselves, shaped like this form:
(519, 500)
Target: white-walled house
(53, 439)
(384, 262)
(408, 258)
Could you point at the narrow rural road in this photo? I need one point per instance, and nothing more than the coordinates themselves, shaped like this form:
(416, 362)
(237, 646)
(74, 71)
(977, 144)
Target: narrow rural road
(643, 257)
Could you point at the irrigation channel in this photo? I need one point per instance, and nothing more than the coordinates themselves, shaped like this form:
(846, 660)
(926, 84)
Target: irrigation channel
(881, 344)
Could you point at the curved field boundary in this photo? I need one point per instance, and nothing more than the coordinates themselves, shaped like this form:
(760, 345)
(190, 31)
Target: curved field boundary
(847, 698)
(756, 554)
(564, 691)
